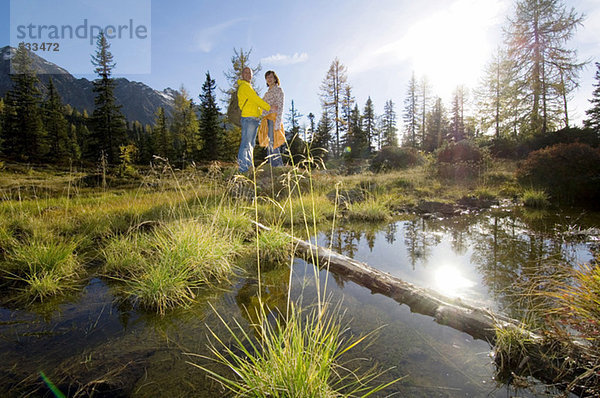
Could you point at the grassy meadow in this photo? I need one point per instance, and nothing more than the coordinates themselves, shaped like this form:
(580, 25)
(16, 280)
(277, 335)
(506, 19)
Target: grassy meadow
(164, 239)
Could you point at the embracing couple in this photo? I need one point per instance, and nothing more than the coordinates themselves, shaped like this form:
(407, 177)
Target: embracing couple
(270, 133)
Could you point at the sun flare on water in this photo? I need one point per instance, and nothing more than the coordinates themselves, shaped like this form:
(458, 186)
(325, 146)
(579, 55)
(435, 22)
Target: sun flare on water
(449, 280)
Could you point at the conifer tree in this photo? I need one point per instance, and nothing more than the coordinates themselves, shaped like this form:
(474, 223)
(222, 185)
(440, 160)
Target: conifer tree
(295, 144)
(593, 114)
(239, 60)
(332, 91)
(108, 124)
(425, 100)
(547, 71)
(358, 139)
(56, 126)
(311, 128)
(74, 149)
(388, 128)
(369, 124)
(322, 138)
(211, 128)
(24, 134)
(161, 138)
(185, 129)
(457, 124)
(436, 126)
(2, 122)
(411, 112)
(495, 97)
(347, 106)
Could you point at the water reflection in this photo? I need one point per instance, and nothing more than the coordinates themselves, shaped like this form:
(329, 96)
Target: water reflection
(477, 257)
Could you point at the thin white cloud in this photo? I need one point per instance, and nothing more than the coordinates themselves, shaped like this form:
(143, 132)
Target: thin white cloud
(280, 59)
(206, 38)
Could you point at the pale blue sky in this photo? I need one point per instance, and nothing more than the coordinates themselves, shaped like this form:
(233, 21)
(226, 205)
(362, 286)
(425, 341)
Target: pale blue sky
(381, 42)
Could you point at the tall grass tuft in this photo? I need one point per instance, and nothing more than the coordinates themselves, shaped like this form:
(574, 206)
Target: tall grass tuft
(296, 356)
(577, 302)
(535, 199)
(370, 210)
(274, 246)
(162, 269)
(45, 267)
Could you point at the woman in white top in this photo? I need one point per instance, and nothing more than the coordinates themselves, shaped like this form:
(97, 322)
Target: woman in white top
(274, 97)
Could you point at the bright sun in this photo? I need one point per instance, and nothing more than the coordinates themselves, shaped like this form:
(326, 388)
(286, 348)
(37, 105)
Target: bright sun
(451, 47)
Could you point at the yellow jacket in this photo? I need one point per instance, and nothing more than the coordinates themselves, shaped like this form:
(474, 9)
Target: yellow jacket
(263, 132)
(250, 103)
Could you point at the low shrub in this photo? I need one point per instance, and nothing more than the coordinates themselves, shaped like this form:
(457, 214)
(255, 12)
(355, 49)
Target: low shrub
(462, 160)
(395, 158)
(568, 172)
(461, 151)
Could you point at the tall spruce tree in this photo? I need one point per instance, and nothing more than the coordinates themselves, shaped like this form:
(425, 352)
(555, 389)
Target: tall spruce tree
(24, 134)
(547, 71)
(185, 129)
(388, 128)
(347, 105)
(295, 145)
(436, 126)
(593, 114)
(322, 139)
(211, 128)
(161, 137)
(358, 141)
(332, 92)
(311, 127)
(57, 127)
(1, 122)
(108, 123)
(369, 124)
(457, 124)
(411, 112)
(425, 103)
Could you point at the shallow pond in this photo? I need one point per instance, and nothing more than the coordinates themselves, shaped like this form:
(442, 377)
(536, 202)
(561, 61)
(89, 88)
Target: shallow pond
(90, 343)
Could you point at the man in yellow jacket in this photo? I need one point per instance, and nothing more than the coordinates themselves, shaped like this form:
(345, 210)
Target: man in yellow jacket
(251, 106)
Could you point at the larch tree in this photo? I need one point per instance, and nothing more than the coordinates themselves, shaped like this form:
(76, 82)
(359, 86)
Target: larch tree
(494, 96)
(332, 92)
(593, 114)
(108, 123)
(211, 128)
(547, 71)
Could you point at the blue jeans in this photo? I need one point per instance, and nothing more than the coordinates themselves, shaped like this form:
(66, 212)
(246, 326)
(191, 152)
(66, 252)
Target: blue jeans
(273, 154)
(246, 152)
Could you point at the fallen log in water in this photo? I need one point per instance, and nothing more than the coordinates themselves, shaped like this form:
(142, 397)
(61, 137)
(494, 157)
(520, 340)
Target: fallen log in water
(549, 361)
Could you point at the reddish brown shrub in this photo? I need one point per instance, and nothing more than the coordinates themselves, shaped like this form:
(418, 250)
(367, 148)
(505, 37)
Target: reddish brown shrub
(568, 172)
